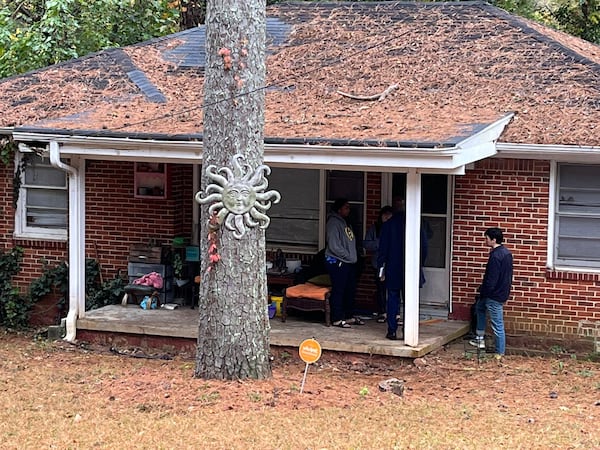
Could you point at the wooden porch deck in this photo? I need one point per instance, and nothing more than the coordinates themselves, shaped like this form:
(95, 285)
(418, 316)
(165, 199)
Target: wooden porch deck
(181, 323)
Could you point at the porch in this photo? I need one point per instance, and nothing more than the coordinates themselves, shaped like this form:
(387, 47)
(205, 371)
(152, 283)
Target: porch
(181, 325)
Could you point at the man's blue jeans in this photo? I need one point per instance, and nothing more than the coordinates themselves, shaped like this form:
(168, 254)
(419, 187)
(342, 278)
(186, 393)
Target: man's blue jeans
(495, 309)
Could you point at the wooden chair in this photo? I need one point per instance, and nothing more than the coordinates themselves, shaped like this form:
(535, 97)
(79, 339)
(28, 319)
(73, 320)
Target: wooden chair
(307, 297)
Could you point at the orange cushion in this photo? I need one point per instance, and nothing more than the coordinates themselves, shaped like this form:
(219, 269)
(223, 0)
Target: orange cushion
(307, 290)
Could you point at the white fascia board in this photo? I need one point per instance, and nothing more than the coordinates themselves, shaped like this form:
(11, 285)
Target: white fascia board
(448, 160)
(121, 149)
(559, 153)
(279, 155)
(476, 153)
(361, 158)
(482, 145)
(490, 133)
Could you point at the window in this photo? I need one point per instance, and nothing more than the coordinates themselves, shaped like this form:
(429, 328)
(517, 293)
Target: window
(295, 219)
(42, 207)
(434, 213)
(577, 216)
(297, 222)
(348, 185)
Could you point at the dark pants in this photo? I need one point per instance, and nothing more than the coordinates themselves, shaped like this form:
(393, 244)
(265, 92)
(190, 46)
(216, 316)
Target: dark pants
(381, 295)
(343, 288)
(394, 308)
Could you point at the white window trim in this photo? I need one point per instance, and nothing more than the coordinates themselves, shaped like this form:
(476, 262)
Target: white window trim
(552, 243)
(22, 231)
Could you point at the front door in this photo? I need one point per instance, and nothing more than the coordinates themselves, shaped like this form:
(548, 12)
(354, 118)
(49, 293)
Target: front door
(435, 218)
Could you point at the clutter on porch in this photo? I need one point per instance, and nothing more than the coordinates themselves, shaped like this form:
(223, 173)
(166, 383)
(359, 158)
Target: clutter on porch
(161, 275)
(299, 285)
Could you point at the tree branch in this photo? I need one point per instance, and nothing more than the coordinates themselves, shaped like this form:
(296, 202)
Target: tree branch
(377, 97)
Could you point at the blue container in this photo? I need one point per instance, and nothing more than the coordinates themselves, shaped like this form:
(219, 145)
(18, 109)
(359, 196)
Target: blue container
(272, 310)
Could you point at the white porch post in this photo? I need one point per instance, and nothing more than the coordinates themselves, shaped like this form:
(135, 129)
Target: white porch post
(412, 257)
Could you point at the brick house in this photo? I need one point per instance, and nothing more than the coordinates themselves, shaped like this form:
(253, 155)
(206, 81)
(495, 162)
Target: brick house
(476, 117)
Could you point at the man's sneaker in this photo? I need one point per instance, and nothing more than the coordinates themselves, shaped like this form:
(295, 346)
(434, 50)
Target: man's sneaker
(478, 342)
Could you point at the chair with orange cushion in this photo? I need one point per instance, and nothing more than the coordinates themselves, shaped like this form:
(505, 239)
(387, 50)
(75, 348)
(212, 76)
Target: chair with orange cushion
(307, 297)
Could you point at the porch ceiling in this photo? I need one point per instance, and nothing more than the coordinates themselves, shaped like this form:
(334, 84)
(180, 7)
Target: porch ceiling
(448, 158)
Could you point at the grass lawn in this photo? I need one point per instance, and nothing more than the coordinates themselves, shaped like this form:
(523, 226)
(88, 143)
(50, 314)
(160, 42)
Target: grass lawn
(61, 396)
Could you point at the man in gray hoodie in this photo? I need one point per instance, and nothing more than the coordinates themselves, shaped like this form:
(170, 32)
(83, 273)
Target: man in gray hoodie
(340, 261)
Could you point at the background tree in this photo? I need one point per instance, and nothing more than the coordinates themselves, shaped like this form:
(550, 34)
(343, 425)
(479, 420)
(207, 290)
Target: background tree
(38, 33)
(233, 332)
(579, 18)
(192, 12)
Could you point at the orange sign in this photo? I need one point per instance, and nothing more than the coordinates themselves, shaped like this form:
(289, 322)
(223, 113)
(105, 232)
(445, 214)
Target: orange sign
(310, 351)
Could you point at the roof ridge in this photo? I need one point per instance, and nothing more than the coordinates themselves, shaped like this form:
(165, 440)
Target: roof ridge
(521, 22)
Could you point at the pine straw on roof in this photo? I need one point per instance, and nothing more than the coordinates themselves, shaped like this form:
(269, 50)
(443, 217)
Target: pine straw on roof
(456, 65)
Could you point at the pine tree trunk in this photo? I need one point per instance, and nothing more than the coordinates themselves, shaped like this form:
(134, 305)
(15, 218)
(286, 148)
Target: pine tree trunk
(233, 333)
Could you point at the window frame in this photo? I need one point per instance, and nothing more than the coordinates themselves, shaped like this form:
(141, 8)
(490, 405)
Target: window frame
(554, 261)
(24, 231)
(323, 212)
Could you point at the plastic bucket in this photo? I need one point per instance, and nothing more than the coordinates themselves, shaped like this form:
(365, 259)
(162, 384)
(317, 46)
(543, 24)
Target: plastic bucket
(277, 300)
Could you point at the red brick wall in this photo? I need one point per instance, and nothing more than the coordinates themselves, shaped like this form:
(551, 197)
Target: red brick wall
(513, 195)
(365, 292)
(114, 218)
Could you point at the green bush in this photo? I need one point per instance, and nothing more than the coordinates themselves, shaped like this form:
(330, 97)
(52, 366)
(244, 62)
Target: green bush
(14, 308)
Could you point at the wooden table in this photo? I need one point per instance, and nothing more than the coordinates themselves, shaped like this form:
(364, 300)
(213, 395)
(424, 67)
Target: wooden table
(281, 280)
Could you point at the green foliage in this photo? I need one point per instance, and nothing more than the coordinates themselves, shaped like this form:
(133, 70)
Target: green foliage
(177, 265)
(524, 8)
(97, 294)
(36, 34)
(13, 307)
(8, 147)
(52, 278)
(108, 293)
(579, 18)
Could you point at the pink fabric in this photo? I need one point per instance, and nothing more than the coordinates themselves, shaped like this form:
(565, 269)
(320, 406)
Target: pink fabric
(152, 279)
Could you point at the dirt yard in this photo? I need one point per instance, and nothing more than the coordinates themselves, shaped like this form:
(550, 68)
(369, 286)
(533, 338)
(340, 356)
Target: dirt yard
(62, 396)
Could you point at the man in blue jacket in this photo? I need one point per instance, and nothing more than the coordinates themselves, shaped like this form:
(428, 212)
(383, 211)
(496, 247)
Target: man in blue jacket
(391, 261)
(494, 291)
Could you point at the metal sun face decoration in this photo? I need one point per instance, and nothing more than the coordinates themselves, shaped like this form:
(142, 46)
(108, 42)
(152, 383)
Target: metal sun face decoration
(237, 196)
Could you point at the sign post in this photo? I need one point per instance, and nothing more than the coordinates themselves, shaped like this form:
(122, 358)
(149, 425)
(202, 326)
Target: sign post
(310, 352)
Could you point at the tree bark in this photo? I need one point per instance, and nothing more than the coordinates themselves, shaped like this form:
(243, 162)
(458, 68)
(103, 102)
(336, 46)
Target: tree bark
(233, 332)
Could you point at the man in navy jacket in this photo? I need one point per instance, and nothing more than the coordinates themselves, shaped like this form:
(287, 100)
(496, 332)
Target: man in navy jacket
(391, 260)
(494, 291)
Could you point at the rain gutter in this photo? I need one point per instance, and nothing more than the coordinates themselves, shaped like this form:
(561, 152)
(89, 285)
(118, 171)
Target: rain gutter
(368, 155)
(560, 153)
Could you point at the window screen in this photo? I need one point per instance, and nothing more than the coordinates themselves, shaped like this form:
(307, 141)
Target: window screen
(578, 215)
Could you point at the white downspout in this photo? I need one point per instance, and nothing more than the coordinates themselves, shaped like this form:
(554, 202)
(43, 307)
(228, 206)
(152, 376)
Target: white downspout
(76, 239)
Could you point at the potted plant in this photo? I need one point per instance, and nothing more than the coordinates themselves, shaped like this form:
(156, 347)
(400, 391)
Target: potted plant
(178, 270)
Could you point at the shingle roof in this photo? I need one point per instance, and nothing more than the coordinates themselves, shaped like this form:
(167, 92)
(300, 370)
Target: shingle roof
(458, 66)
